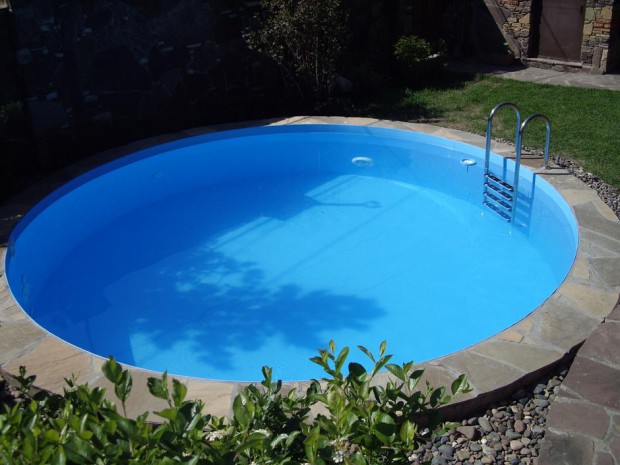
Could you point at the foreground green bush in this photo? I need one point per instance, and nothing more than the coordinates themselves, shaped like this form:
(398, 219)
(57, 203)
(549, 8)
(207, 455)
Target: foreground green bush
(342, 419)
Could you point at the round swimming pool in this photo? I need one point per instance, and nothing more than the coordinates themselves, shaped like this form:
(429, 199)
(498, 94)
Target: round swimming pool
(214, 255)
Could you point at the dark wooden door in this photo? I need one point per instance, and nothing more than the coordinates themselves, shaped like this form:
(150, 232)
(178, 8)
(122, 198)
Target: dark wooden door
(561, 29)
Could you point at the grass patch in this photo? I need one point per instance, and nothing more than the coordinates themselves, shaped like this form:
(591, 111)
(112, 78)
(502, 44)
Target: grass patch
(584, 122)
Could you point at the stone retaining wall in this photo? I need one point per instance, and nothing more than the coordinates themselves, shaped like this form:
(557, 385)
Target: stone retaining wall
(597, 34)
(515, 18)
(102, 73)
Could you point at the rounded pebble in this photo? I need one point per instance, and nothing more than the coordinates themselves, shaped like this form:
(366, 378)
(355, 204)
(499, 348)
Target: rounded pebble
(516, 445)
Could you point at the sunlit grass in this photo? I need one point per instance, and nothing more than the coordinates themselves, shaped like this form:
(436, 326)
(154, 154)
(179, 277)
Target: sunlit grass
(585, 122)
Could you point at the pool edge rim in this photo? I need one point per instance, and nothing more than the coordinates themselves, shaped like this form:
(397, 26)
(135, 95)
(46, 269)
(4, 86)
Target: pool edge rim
(495, 366)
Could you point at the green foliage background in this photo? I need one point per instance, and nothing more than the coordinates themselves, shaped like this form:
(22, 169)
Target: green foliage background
(306, 39)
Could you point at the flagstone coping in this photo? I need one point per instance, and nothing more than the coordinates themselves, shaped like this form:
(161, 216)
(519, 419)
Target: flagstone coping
(495, 367)
(584, 418)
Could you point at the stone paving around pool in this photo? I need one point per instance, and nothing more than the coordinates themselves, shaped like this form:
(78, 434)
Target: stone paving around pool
(585, 420)
(583, 425)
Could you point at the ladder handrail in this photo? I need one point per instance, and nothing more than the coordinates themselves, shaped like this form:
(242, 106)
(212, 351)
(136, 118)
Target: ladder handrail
(487, 155)
(508, 192)
(547, 137)
(518, 150)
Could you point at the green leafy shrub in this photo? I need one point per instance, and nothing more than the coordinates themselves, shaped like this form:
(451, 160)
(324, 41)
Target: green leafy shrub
(410, 50)
(346, 419)
(418, 59)
(305, 38)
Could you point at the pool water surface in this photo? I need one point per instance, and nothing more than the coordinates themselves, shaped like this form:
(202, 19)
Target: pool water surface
(215, 255)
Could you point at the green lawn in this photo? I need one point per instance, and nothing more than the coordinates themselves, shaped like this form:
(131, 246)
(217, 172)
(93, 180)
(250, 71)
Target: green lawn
(585, 122)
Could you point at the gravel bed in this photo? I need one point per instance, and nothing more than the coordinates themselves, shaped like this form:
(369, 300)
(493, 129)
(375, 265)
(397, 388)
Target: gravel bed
(509, 433)
(607, 193)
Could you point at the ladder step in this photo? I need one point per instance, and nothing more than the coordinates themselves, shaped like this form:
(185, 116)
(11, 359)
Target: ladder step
(499, 191)
(497, 200)
(501, 213)
(498, 181)
(524, 202)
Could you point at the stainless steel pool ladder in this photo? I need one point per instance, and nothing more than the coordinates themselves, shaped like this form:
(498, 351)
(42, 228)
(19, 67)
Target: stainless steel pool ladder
(499, 194)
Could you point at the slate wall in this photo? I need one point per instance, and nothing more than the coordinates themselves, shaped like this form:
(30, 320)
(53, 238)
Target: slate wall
(99, 73)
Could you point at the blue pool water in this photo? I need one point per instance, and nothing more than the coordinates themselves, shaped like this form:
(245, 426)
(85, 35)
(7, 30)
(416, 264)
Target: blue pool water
(215, 255)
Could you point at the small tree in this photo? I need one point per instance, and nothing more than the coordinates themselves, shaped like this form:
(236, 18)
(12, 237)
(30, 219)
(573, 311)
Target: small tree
(305, 38)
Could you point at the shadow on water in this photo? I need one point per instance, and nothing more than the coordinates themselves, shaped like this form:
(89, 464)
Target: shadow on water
(196, 291)
(219, 321)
